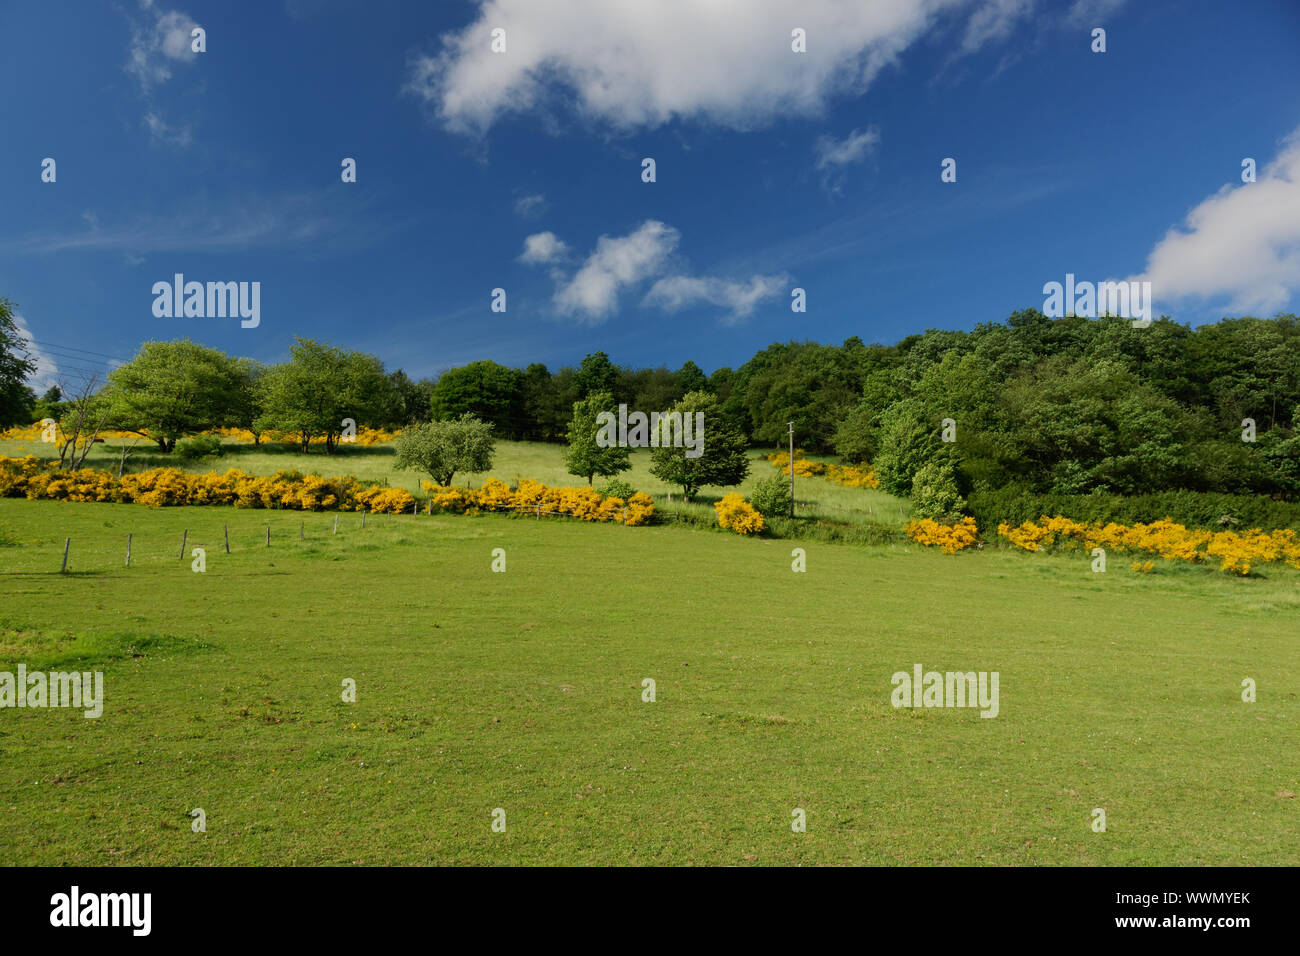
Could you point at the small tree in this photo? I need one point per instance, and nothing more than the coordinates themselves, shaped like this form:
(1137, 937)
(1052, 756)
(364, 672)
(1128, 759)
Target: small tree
(585, 458)
(440, 449)
(934, 491)
(722, 460)
(771, 496)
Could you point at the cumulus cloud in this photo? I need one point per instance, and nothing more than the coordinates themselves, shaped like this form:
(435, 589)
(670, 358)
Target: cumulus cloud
(675, 293)
(1242, 243)
(619, 261)
(159, 40)
(543, 247)
(635, 64)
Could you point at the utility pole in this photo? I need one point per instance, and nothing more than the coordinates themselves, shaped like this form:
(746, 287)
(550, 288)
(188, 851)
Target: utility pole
(791, 424)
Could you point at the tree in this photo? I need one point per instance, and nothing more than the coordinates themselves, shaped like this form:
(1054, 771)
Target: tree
(16, 399)
(440, 449)
(485, 390)
(722, 461)
(173, 389)
(320, 386)
(907, 442)
(690, 378)
(596, 374)
(585, 458)
(934, 491)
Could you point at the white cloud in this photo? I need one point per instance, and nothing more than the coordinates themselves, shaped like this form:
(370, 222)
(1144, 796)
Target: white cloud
(855, 147)
(529, 206)
(1243, 242)
(47, 370)
(543, 247)
(1089, 13)
(621, 262)
(678, 292)
(159, 41)
(634, 64)
(994, 21)
(164, 132)
(618, 262)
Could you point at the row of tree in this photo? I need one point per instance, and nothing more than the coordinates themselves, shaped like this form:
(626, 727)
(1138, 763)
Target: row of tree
(1068, 405)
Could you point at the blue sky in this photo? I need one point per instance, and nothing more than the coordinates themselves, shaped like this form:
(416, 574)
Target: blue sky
(775, 170)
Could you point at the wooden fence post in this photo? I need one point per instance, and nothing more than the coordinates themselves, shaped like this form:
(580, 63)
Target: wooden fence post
(301, 524)
(66, 543)
(336, 522)
(226, 531)
(268, 535)
(128, 550)
(184, 537)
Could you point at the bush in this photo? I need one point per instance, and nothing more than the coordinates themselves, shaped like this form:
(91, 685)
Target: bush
(736, 513)
(1016, 504)
(200, 446)
(616, 488)
(771, 496)
(934, 491)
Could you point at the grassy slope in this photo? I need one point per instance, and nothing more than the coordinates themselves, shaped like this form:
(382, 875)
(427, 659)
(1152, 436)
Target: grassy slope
(513, 460)
(523, 691)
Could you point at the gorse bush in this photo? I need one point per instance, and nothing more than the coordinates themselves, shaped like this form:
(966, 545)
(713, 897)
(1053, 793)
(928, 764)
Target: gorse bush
(533, 497)
(1197, 509)
(1236, 551)
(738, 515)
(950, 537)
(164, 487)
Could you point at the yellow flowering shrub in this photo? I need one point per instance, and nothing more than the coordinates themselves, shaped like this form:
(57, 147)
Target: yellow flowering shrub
(738, 515)
(163, 487)
(530, 495)
(1237, 551)
(950, 538)
(852, 476)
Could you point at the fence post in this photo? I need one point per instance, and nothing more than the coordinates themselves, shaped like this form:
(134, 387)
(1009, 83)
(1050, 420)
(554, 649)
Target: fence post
(336, 522)
(363, 517)
(128, 550)
(268, 535)
(66, 543)
(225, 529)
(539, 511)
(301, 523)
(184, 537)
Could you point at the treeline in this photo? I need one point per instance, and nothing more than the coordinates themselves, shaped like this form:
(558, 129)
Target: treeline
(1064, 406)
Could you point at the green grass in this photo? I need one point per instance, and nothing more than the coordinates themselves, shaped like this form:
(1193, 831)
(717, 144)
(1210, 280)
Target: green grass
(523, 690)
(816, 498)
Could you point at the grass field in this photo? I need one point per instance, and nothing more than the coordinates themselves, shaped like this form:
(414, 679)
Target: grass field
(523, 691)
(542, 462)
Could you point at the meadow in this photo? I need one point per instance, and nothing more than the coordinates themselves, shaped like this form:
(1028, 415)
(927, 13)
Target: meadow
(522, 690)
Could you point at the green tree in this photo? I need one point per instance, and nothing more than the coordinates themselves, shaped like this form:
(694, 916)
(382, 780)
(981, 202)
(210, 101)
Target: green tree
(585, 458)
(907, 441)
(173, 389)
(319, 387)
(16, 399)
(484, 389)
(442, 448)
(934, 491)
(722, 461)
(596, 374)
